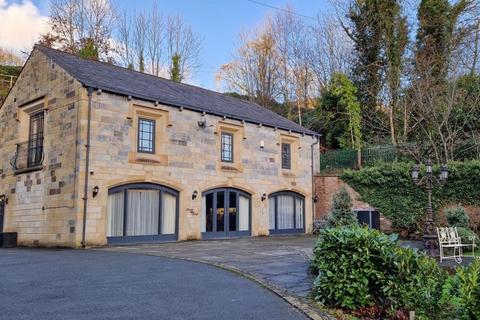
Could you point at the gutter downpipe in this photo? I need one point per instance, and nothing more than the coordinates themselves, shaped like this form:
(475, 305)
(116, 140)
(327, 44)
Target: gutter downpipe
(313, 179)
(87, 166)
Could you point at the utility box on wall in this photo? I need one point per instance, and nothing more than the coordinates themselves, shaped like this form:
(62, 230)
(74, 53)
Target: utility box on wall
(8, 239)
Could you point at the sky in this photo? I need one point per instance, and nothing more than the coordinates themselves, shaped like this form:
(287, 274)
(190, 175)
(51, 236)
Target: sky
(219, 22)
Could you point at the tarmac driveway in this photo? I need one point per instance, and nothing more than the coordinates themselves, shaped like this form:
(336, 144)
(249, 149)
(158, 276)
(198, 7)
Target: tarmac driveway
(87, 284)
(281, 261)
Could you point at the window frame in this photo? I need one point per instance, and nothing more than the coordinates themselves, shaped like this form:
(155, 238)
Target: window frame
(231, 135)
(154, 129)
(36, 140)
(124, 238)
(295, 196)
(286, 163)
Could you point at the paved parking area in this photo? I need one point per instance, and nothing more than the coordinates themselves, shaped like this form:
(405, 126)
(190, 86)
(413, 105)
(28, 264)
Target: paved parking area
(279, 260)
(86, 284)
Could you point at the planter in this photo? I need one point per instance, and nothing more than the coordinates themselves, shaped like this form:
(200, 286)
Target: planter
(8, 239)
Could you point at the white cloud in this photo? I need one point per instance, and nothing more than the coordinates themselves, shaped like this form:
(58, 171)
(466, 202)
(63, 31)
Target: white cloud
(20, 25)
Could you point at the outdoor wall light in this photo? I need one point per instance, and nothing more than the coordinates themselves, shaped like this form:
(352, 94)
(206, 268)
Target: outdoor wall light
(315, 199)
(194, 195)
(96, 189)
(262, 144)
(3, 199)
(264, 197)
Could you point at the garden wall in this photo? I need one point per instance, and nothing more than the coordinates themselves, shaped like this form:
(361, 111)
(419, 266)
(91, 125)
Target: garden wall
(326, 186)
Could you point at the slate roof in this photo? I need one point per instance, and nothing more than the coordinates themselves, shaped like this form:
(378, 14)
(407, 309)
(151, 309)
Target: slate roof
(118, 80)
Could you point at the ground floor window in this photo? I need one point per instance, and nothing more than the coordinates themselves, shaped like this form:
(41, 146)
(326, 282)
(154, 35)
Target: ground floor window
(142, 210)
(225, 212)
(286, 212)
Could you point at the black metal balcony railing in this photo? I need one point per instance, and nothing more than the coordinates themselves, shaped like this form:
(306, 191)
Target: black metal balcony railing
(29, 155)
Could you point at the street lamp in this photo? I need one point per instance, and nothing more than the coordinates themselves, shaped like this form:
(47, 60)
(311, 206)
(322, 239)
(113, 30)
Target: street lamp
(429, 181)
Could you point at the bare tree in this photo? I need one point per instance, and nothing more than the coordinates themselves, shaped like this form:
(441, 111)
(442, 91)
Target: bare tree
(253, 70)
(125, 46)
(140, 29)
(183, 46)
(294, 43)
(332, 50)
(444, 123)
(9, 58)
(72, 22)
(155, 37)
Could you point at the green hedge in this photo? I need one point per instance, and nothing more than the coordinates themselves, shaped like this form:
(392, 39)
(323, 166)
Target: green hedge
(359, 267)
(390, 189)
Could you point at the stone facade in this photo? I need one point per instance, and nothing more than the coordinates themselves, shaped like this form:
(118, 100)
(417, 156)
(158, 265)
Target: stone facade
(42, 204)
(46, 207)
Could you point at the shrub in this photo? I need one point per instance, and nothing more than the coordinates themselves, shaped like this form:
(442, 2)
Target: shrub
(359, 267)
(457, 217)
(342, 213)
(461, 293)
(467, 234)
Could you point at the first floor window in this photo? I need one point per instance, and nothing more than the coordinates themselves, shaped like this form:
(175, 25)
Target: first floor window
(227, 147)
(286, 156)
(35, 139)
(146, 135)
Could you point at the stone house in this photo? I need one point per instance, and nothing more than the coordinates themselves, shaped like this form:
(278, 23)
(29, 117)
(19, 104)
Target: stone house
(95, 154)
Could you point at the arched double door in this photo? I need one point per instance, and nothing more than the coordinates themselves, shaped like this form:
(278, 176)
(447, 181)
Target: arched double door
(226, 212)
(142, 212)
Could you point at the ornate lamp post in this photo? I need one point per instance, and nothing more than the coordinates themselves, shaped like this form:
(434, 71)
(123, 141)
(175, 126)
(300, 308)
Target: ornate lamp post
(429, 181)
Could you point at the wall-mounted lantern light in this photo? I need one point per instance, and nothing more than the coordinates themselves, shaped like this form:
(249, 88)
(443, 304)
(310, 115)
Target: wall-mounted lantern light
(3, 199)
(96, 189)
(264, 197)
(194, 195)
(315, 199)
(262, 144)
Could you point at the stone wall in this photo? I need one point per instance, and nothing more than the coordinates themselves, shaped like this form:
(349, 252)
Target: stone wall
(41, 203)
(188, 159)
(46, 207)
(326, 186)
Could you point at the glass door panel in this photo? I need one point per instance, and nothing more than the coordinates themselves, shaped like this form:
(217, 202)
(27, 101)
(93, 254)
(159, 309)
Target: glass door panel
(232, 211)
(208, 222)
(220, 207)
(244, 214)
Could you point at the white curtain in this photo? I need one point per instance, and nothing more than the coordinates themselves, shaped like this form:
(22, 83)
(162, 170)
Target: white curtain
(299, 213)
(143, 211)
(271, 211)
(244, 210)
(169, 213)
(285, 214)
(203, 215)
(115, 214)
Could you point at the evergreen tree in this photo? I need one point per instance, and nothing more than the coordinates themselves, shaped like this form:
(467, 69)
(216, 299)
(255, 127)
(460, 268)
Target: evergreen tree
(342, 213)
(437, 20)
(339, 113)
(88, 49)
(175, 70)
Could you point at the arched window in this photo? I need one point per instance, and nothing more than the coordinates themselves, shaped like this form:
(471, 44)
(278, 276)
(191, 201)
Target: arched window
(226, 212)
(142, 212)
(286, 212)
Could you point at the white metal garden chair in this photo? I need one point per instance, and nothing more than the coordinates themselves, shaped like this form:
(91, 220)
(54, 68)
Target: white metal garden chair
(448, 239)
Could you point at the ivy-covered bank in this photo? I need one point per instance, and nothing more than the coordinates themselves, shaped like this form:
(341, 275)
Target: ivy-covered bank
(390, 189)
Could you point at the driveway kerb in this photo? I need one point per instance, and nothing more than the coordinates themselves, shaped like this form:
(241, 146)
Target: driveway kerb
(310, 311)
